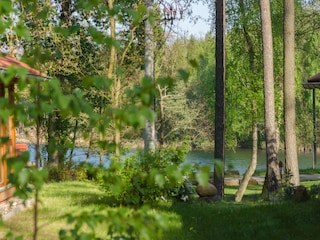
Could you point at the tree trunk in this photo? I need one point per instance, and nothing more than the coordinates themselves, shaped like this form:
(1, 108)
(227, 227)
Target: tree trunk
(219, 136)
(253, 164)
(116, 82)
(273, 178)
(101, 138)
(291, 156)
(52, 147)
(254, 154)
(162, 116)
(149, 130)
(74, 138)
(89, 146)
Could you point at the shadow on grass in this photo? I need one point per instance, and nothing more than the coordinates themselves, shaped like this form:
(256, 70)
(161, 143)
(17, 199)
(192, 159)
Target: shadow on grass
(250, 220)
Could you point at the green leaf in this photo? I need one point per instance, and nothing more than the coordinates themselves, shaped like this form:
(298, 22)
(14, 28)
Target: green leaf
(63, 31)
(193, 63)
(23, 177)
(5, 114)
(97, 36)
(74, 29)
(184, 75)
(8, 75)
(203, 175)
(159, 179)
(166, 81)
(22, 31)
(115, 189)
(102, 82)
(5, 7)
(64, 101)
(146, 99)
(22, 74)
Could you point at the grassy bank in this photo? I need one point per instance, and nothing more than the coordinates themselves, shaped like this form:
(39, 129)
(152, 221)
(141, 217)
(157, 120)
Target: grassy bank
(251, 219)
(301, 171)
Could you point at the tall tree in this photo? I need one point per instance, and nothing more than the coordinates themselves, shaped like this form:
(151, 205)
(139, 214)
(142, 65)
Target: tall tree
(149, 130)
(254, 155)
(220, 99)
(272, 178)
(115, 90)
(289, 94)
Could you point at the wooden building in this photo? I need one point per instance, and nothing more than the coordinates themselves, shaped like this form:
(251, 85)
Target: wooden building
(8, 129)
(313, 83)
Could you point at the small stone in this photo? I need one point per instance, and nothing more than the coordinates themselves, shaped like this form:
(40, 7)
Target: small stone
(253, 181)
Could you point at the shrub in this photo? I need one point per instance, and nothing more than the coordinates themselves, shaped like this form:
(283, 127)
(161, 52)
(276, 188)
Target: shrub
(149, 177)
(314, 192)
(68, 171)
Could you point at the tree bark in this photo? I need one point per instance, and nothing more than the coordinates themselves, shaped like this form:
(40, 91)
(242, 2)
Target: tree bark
(253, 164)
(149, 130)
(254, 154)
(291, 156)
(162, 116)
(219, 136)
(116, 82)
(273, 178)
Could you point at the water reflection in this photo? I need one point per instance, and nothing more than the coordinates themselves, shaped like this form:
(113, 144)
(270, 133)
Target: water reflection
(240, 159)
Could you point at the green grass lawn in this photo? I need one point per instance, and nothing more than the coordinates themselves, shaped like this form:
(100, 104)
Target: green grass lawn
(251, 219)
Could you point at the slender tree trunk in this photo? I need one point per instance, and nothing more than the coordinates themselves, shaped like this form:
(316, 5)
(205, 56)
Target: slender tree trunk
(89, 146)
(38, 157)
(74, 139)
(116, 82)
(101, 138)
(162, 116)
(273, 178)
(149, 130)
(219, 136)
(291, 155)
(35, 215)
(254, 156)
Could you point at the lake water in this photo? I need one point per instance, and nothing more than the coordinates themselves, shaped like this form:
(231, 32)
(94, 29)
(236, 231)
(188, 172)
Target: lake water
(240, 159)
(234, 160)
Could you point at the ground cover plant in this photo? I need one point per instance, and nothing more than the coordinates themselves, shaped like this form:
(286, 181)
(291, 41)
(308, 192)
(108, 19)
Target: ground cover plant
(251, 219)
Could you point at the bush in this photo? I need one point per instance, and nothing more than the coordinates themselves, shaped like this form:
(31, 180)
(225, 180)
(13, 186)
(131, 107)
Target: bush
(149, 177)
(314, 192)
(69, 171)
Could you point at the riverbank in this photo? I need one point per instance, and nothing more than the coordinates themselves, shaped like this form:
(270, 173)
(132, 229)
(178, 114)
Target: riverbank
(259, 180)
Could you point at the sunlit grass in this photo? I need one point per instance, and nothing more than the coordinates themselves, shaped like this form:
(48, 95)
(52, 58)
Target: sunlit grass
(56, 200)
(253, 218)
(262, 172)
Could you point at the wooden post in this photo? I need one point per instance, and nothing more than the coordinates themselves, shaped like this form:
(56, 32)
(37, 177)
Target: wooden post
(3, 147)
(11, 126)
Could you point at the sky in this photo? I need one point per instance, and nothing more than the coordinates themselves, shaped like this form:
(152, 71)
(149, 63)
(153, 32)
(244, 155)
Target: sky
(198, 28)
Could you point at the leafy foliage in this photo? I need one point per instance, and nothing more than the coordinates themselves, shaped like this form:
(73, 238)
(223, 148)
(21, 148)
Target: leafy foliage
(123, 223)
(149, 177)
(314, 192)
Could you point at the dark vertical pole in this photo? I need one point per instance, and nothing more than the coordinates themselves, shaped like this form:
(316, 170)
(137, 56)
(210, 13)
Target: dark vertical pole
(314, 129)
(219, 136)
